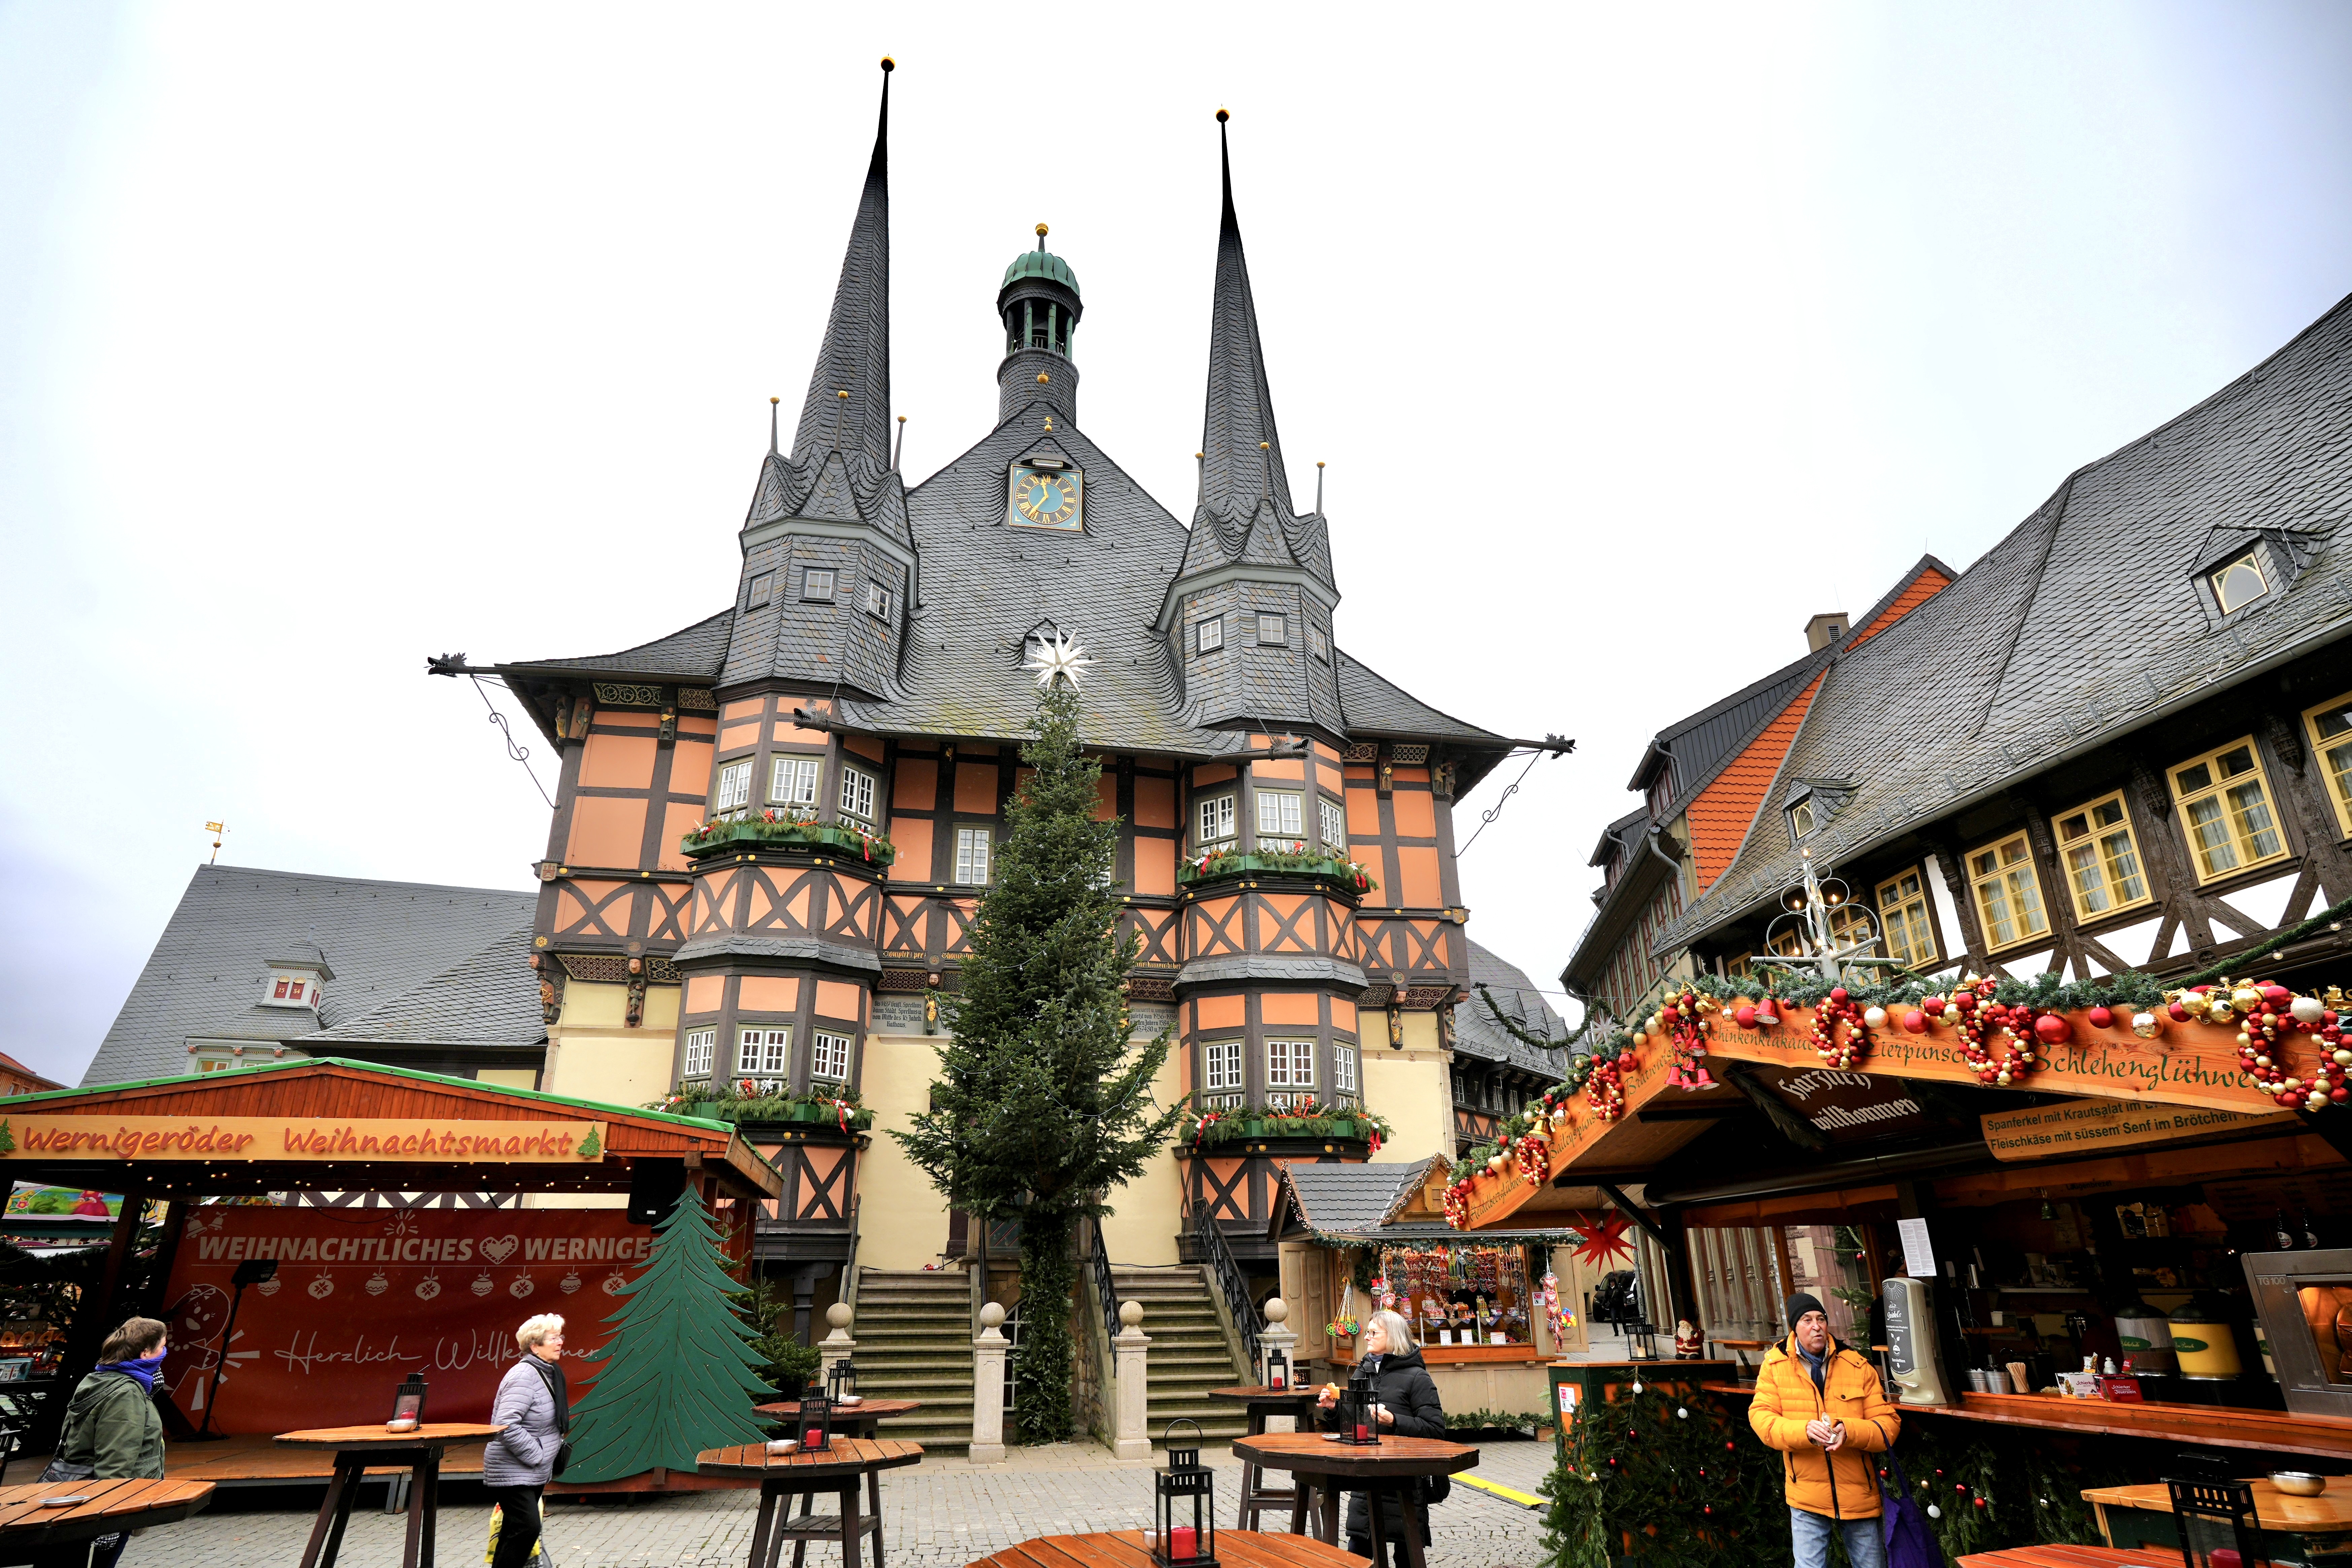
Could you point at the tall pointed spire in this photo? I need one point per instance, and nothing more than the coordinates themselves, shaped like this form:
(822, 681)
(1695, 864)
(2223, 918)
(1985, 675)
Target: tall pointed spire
(856, 358)
(1235, 469)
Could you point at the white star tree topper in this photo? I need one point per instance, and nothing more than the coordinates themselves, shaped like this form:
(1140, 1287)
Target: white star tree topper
(1057, 659)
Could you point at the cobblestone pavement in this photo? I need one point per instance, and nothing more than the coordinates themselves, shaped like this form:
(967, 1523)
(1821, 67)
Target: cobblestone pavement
(941, 1514)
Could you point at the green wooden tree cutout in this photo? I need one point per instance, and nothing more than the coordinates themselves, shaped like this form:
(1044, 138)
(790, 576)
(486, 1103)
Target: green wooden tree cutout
(592, 1146)
(678, 1376)
(8, 1140)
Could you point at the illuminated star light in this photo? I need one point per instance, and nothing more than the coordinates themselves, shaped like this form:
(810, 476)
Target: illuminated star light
(1060, 657)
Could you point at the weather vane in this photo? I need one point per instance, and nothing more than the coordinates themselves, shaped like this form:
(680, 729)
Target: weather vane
(1057, 659)
(215, 829)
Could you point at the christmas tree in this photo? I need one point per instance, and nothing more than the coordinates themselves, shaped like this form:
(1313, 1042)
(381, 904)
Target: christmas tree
(678, 1376)
(1043, 1104)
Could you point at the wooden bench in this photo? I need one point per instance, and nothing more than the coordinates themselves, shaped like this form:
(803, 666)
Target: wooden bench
(2073, 1557)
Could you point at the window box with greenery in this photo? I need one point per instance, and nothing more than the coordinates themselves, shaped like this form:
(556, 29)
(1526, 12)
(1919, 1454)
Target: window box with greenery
(1294, 857)
(1301, 1118)
(774, 828)
(741, 1100)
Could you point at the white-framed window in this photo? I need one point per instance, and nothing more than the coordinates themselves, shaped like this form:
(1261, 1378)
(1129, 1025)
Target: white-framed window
(877, 601)
(702, 1045)
(794, 781)
(2236, 582)
(1343, 1069)
(734, 791)
(1335, 825)
(2225, 806)
(762, 586)
(2008, 895)
(2101, 857)
(1210, 635)
(1280, 813)
(1318, 640)
(972, 847)
(764, 1053)
(829, 1057)
(816, 583)
(1271, 628)
(856, 792)
(1290, 1064)
(1220, 1063)
(1213, 819)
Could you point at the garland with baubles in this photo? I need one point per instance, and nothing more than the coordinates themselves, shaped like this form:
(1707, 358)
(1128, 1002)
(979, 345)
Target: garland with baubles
(1840, 1007)
(1684, 1023)
(1531, 1156)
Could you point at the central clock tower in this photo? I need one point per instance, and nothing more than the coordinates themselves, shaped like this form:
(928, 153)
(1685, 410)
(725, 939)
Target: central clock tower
(1040, 308)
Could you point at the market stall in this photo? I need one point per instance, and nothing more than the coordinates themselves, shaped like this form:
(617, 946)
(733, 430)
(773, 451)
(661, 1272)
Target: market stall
(286, 1314)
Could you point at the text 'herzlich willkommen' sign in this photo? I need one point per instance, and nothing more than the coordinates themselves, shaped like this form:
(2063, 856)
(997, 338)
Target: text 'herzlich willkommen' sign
(323, 1139)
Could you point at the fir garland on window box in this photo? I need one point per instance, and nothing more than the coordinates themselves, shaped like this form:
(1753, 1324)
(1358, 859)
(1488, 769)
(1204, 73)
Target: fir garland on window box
(774, 828)
(1298, 859)
(740, 1100)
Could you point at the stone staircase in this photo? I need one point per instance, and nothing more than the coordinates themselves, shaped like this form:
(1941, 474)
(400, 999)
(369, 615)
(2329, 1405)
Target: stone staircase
(1189, 1354)
(914, 1341)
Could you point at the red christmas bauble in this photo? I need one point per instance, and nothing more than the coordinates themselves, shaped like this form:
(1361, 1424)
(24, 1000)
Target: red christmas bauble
(2051, 1029)
(2100, 1018)
(1747, 1016)
(1915, 1022)
(1837, 993)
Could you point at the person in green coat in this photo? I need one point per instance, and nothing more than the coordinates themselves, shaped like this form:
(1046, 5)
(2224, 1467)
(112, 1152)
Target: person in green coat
(112, 1425)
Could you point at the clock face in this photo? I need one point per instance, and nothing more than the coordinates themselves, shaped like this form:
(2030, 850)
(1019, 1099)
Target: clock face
(1046, 498)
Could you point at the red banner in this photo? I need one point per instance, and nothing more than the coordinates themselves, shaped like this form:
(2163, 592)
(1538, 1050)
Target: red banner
(364, 1297)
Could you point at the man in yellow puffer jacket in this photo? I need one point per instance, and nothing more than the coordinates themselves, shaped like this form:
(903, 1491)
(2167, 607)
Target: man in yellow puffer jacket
(1820, 1402)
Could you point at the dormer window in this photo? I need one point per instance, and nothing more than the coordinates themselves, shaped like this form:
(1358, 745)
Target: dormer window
(1319, 643)
(1270, 629)
(816, 583)
(877, 601)
(295, 983)
(1211, 634)
(1800, 818)
(760, 587)
(2237, 582)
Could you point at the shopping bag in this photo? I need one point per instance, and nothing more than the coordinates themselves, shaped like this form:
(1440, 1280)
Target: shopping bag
(1902, 1524)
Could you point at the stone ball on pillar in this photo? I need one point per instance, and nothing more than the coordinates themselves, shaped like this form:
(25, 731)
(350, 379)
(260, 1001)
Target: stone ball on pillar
(838, 1314)
(992, 1316)
(1277, 1310)
(1131, 1313)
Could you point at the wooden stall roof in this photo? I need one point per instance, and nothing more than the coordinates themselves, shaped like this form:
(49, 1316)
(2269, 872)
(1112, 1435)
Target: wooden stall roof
(323, 1089)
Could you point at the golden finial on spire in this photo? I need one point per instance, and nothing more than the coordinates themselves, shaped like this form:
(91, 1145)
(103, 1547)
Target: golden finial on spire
(842, 394)
(1223, 117)
(1263, 446)
(1041, 378)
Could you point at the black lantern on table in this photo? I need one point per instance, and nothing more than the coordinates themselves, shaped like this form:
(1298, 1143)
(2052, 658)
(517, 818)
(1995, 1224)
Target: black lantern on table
(408, 1404)
(841, 1381)
(1185, 1486)
(1277, 1370)
(816, 1419)
(1642, 1341)
(1358, 1421)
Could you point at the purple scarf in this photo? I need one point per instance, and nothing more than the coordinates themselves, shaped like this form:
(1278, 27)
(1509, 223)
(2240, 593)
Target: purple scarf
(144, 1369)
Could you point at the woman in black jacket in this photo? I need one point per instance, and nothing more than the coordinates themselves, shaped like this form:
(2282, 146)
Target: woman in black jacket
(1408, 1408)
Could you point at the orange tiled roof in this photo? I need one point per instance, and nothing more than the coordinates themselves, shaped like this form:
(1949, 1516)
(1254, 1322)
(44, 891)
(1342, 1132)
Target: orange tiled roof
(1720, 814)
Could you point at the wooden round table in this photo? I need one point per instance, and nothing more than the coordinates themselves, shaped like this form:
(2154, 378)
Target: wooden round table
(26, 1525)
(1390, 1467)
(357, 1449)
(834, 1469)
(1298, 1404)
(858, 1420)
(1125, 1549)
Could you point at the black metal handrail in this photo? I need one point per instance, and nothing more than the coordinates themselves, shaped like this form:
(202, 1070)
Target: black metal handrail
(1103, 1288)
(1231, 1281)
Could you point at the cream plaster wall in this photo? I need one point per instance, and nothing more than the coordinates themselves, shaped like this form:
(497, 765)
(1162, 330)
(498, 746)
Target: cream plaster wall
(902, 1220)
(593, 1054)
(1412, 1087)
(1150, 1209)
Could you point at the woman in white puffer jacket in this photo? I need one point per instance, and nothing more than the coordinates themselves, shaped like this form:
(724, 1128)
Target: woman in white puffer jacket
(535, 1408)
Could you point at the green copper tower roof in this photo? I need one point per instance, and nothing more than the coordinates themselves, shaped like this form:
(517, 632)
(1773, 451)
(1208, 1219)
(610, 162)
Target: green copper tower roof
(1040, 263)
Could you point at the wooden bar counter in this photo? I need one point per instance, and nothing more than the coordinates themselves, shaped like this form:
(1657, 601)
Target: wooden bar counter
(2208, 1425)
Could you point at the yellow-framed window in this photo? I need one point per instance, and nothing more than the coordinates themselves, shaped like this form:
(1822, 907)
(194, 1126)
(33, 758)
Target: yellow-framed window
(1788, 943)
(1903, 913)
(2007, 893)
(2330, 724)
(2101, 854)
(1849, 924)
(2225, 809)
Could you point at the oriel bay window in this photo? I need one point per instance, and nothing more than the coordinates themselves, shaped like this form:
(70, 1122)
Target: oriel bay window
(2007, 893)
(857, 794)
(829, 1057)
(700, 1047)
(1213, 821)
(1281, 814)
(1903, 917)
(1335, 825)
(733, 791)
(2225, 808)
(1220, 1074)
(2331, 734)
(792, 781)
(2102, 857)
(765, 1055)
(1289, 1068)
(1344, 1086)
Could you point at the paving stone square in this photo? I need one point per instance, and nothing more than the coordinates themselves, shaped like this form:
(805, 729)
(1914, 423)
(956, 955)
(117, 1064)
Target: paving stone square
(940, 1514)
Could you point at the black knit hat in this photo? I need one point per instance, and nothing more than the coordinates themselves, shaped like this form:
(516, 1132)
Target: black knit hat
(1797, 1305)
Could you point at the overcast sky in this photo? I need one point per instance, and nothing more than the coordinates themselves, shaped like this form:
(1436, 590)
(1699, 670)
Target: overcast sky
(332, 336)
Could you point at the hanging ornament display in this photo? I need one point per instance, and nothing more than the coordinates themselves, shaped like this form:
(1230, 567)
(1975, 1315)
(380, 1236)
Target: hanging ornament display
(1532, 1156)
(1686, 1021)
(1836, 1008)
(2271, 1014)
(1605, 1090)
(1972, 1011)
(1605, 1241)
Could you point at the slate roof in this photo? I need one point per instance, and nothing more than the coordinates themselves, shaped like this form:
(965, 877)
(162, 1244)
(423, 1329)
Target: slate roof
(1989, 681)
(383, 939)
(1477, 1035)
(1353, 1201)
(954, 670)
(488, 998)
